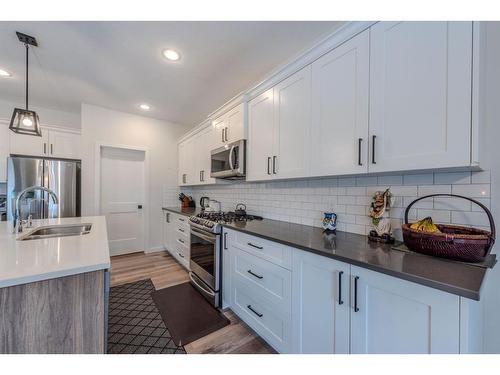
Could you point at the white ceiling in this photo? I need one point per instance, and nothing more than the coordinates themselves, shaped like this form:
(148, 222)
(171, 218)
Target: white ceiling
(119, 65)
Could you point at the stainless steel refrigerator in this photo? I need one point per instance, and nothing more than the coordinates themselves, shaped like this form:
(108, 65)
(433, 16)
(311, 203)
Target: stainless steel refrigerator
(61, 176)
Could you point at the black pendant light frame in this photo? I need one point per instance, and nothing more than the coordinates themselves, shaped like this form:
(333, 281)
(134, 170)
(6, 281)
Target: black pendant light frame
(19, 115)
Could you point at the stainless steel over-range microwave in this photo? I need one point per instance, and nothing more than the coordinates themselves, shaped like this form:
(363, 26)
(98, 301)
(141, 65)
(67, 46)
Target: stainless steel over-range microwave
(228, 161)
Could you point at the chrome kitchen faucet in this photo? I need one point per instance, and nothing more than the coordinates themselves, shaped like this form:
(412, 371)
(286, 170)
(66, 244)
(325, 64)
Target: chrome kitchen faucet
(18, 222)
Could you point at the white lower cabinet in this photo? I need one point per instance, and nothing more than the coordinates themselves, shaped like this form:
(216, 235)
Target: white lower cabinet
(176, 237)
(260, 290)
(320, 304)
(389, 315)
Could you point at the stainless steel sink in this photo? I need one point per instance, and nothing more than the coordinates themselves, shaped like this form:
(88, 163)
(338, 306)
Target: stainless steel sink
(48, 231)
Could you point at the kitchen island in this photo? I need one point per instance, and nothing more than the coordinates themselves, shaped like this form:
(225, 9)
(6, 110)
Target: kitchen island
(53, 291)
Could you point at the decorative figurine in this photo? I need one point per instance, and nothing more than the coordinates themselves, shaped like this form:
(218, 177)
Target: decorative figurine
(330, 221)
(382, 202)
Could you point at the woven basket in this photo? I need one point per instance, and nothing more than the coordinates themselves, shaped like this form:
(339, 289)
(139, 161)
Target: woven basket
(455, 242)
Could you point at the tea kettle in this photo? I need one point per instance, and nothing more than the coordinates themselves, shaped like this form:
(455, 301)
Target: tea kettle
(204, 202)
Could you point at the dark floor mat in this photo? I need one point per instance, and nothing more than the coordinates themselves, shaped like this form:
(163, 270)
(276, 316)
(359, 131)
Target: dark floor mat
(187, 314)
(135, 324)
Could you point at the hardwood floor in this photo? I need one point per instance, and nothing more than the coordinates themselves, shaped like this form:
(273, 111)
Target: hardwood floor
(164, 271)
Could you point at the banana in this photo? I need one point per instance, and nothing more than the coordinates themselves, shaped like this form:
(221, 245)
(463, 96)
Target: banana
(425, 225)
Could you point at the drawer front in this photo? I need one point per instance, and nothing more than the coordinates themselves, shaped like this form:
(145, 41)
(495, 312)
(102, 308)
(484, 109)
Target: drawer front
(181, 231)
(264, 278)
(180, 220)
(268, 250)
(262, 316)
(181, 253)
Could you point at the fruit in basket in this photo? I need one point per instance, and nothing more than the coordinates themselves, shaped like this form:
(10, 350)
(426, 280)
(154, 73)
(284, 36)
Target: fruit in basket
(425, 225)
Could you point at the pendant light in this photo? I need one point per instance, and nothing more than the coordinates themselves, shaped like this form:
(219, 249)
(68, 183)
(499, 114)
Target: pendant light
(24, 121)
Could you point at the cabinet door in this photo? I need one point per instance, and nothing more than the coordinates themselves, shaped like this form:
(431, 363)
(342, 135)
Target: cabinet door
(340, 89)
(205, 146)
(235, 124)
(182, 154)
(260, 137)
(64, 145)
(292, 103)
(4, 150)
(165, 224)
(320, 290)
(226, 269)
(397, 316)
(22, 144)
(219, 125)
(420, 95)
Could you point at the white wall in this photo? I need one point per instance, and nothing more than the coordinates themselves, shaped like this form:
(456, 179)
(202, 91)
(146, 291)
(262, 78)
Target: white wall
(48, 117)
(100, 125)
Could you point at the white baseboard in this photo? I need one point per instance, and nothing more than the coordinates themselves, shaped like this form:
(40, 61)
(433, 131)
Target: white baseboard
(155, 249)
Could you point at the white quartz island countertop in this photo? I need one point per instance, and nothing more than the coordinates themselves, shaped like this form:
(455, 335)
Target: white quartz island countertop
(24, 262)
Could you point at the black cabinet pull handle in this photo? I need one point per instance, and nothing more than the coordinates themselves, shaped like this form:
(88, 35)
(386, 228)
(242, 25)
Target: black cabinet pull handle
(222, 133)
(257, 247)
(182, 256)
(254, 274)
(374, 137)
(45, 148)
(274, 164)
(249, 307)
(356, 309)
(360, 140)
(340, 287)
(181, 241)
(181, 219)
(268, 167)
(225, 241)
(181, 230)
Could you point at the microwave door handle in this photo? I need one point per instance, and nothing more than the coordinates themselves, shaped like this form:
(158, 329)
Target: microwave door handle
(231, 158)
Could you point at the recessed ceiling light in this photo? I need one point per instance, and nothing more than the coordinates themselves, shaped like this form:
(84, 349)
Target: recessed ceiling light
(171, 55)
(144, 107)
(4, 73)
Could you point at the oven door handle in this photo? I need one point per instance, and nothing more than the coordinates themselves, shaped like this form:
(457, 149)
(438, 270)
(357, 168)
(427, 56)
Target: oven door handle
(207, 291)
(231, 164)
(204, 236)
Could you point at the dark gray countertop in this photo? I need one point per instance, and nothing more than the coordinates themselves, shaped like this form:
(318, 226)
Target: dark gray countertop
(452, 277)
(183, 211)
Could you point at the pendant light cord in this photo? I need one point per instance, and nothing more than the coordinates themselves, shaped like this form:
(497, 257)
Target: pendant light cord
(27, 47)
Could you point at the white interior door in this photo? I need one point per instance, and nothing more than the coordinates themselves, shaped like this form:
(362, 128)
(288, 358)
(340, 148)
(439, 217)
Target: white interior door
(122, 198)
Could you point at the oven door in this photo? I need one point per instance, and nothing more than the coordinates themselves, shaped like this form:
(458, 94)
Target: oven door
(228, 161)
(204, 260)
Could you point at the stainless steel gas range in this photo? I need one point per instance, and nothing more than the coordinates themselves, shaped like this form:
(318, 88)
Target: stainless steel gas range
(206, 247)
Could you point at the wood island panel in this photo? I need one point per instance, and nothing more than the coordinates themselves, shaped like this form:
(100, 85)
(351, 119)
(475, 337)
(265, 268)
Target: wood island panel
(61, 315)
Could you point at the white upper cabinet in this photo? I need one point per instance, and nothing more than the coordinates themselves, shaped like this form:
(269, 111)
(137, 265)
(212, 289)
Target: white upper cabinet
(64, 145)
(194, 158)
(260, 143)
(292, 125)
(230, 126)
(340, 91)
(52, 143)
(420, 95)
(390, 316)
(4, 150)
(320, 288)
(23, 144)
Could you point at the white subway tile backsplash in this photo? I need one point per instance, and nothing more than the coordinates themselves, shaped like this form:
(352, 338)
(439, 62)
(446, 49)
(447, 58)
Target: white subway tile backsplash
(472, 190)
(433, 189)
(305, 201)
(452, 178)
(469, 218)
(390, 180)
(366, 180)
(419, 179)
(481, 177)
